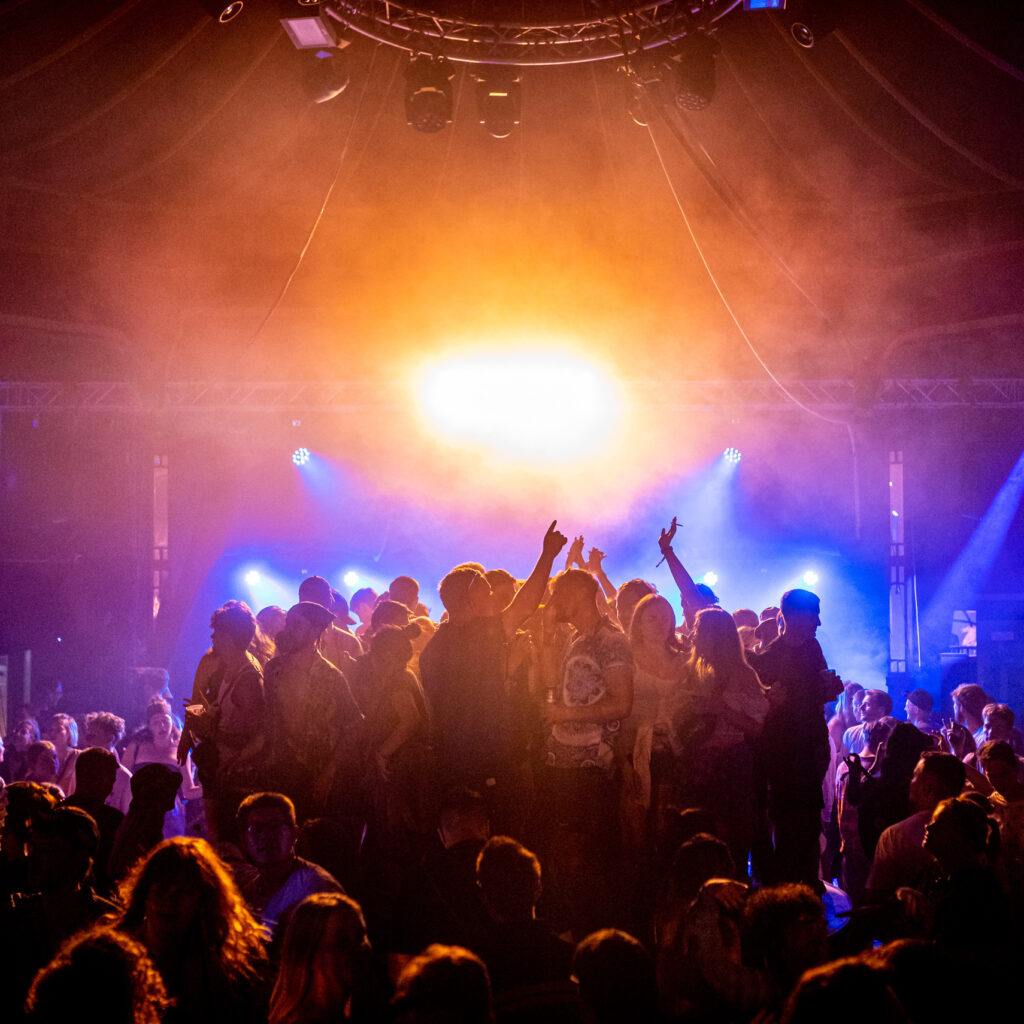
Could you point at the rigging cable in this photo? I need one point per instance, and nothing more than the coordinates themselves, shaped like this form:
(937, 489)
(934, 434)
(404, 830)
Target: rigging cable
(323, 208)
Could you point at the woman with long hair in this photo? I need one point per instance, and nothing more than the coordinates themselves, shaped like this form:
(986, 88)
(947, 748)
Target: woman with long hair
(62, 732)
(716, 720)
(181, 903)
(325, 972)
(658, 661)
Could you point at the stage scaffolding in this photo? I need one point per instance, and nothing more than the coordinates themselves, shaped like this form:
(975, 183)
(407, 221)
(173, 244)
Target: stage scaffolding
(831, 397)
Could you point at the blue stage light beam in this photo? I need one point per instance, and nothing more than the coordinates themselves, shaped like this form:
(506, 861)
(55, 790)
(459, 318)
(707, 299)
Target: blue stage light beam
(962, 586)
(259, 588)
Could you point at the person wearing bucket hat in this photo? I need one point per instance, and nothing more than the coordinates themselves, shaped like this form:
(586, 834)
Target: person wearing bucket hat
(313, 721)
(338, 646)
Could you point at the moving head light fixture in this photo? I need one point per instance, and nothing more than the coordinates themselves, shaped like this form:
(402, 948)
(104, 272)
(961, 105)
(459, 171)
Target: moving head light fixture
(428, 93)
(498, 99)
(500, 37)
(695, 71)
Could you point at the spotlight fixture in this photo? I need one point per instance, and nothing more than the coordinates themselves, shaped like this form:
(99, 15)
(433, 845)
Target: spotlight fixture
(810, 577)
(351, 579)
(764, 5)
(300, 456)
(732, 455)
(252, 577)
(223, 10)
(709, 579)
(811, 21)
(498, 100)
(327, 76)
(428, 93)
(695, 71)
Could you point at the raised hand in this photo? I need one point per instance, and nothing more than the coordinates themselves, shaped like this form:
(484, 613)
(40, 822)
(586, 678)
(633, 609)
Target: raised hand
(594, 561)
(575, 555)
(667, 536)
(553, 540)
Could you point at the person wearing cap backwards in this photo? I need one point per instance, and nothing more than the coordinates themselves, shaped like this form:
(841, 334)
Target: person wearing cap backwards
(919, 709)
(312, 720)
(338, 646)
(794, 742)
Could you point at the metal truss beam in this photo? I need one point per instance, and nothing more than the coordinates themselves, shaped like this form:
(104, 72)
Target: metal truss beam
(836, 396)
(488, 39)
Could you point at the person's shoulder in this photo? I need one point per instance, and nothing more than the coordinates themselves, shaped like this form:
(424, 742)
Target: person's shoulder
(314, 878)
(324, 667)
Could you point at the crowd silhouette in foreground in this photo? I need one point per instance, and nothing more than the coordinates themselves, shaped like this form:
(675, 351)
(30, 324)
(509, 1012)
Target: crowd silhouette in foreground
(554, 803)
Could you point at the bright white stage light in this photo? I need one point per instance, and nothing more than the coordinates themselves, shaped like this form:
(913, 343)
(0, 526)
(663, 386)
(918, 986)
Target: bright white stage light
(709, 578)
(810, 577)
(531, 404)
(732, 455)
(351, 579)
(252, 577)
(300, 456)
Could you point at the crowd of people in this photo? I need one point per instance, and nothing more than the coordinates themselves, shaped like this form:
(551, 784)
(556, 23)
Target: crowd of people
(555, 801)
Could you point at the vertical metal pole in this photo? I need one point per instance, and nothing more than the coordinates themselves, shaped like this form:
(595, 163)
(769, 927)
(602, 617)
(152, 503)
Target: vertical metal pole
(901, 639)
(161, 534)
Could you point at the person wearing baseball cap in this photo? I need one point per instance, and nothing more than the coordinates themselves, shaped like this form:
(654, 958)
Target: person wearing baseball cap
(312, 720)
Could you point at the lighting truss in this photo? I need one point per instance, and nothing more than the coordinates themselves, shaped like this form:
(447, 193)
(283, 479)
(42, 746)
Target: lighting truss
(454, 30)
(336, 396)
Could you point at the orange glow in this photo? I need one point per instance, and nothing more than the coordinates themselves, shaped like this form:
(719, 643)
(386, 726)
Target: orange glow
(534, 404)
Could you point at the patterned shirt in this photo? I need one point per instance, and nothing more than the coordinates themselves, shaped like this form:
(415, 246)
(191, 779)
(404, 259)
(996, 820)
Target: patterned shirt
(586, 664)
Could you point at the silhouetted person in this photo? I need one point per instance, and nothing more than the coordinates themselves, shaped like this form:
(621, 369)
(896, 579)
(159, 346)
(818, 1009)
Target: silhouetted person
(520, 952)
(444, 985)
(616, 981)
(794, 751)
(154, 788)
(106, 969)
(58, 899)
(95, 773)
(478, 735)
(440, 900)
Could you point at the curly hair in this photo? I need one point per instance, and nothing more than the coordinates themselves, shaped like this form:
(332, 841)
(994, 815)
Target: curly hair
(106, 962)
(227, 931)
(107, 722)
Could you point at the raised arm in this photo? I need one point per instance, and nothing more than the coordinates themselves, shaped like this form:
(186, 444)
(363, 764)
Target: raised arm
(596, 569)
(691, 597)
(574, 556)
(527, 598)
